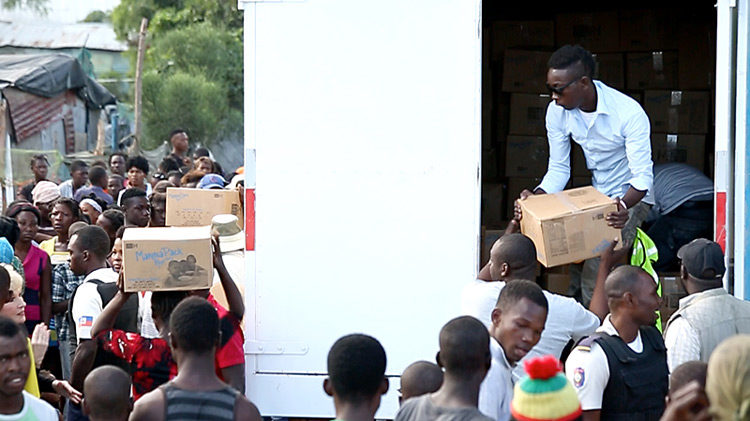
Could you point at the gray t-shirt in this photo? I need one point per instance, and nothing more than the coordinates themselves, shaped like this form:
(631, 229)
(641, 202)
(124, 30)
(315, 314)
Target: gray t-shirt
(422, 408)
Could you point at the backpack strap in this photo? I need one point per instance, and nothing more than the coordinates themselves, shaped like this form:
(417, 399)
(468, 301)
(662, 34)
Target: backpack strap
(69, 316)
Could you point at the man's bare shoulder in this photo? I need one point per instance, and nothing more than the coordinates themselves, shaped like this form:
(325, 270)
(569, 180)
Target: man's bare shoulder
(150, 406)
(246, 410)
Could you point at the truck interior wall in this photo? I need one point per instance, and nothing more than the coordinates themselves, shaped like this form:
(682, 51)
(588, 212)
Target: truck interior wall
(651, 53)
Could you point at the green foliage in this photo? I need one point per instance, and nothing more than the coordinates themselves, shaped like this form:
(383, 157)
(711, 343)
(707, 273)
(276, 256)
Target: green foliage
(193, 66)
(39, 6)
(181, 100)
(97, 16)
(205, 49)
(165, 15)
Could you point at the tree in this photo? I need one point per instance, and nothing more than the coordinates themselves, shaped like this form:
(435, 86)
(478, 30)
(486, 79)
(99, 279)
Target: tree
(181, 100)
(39, 6)
(205, 49)
(97, 16)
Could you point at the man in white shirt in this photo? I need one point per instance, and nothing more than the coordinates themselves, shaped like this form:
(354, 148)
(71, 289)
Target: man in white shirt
(614, 133)
(513, 257)
(517, 324)
(88, 256)
(15, 402)
(620, 373)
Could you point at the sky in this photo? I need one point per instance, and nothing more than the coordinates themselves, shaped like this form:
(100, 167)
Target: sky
(62, 11)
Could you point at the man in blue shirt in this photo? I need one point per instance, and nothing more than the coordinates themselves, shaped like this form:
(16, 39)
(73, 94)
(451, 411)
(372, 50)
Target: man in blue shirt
(614, 133)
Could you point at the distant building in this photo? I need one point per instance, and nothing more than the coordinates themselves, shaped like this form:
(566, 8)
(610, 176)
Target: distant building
(94, 44)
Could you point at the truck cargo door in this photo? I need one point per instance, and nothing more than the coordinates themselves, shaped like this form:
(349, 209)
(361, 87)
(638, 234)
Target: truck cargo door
(363, 139)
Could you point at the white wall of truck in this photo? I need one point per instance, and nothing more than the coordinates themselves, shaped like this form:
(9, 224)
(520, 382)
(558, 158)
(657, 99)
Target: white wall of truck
(362, 163)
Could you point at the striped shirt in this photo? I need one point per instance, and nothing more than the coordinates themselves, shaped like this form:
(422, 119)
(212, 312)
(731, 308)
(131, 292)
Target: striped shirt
(191, 405)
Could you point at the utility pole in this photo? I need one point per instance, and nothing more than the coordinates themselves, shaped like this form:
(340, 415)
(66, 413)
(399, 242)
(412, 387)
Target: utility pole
(134, 148)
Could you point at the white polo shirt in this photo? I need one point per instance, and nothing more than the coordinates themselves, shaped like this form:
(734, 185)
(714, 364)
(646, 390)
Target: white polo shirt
(87, 305)
(496, 390)
(588, 371)
(566, 319)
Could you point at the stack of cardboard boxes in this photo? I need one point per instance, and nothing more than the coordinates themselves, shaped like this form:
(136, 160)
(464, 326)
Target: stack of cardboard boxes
(663, 61)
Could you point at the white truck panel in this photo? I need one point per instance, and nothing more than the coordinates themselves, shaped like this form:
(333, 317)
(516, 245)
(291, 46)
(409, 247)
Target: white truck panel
(367, 138)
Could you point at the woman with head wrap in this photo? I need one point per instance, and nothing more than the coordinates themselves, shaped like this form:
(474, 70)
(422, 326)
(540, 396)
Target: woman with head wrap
(91, 208)
(728, 379)
(36, 265)
(44, 194)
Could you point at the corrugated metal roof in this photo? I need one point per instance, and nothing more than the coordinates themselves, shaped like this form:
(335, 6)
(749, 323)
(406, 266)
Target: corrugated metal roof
(95, 36)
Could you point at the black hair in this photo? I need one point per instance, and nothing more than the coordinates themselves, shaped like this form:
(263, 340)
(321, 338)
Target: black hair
(17, 207)
(139, 162)
(4, 282)
(9, 328)
(70, 204)
(168, 164)
(174, 132)
(77, 165)
(95, 240)
(515, 249)
(163, 303)
(115, 217)
(686, 373)
(177, 173)
(131, 193)
(122, 154)
(38, 157)
(201, 151)
(9, 229)
(569, 55)
(623, 279)
(120, 232)
(194, 325)
(98, 175)
(516, 290)
(420, 378)
(157, 197)
(464, 347)
(107, 390)
(99, 163)
(356, 367)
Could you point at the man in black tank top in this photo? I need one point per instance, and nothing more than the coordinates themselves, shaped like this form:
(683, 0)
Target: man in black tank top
(196, 393)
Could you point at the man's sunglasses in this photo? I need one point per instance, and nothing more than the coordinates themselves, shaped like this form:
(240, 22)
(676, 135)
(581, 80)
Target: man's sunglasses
(559, 89)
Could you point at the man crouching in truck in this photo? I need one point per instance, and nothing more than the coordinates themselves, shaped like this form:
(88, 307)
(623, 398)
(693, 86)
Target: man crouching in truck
(614, 133)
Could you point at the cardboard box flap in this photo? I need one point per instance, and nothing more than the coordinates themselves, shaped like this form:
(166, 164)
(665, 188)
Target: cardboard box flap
(548, 206)
(167, 233)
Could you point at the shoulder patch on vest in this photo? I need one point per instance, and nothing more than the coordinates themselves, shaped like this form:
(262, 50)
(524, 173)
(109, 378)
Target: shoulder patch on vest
(585, 343)
(579, 377)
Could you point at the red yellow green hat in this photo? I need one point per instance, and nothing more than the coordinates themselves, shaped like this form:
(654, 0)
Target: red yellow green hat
(545, 394)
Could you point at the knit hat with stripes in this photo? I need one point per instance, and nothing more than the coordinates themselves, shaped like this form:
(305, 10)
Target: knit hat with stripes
(545, 394)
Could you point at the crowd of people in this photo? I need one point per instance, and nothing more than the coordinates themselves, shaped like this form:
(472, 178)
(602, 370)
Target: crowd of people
(73, 343)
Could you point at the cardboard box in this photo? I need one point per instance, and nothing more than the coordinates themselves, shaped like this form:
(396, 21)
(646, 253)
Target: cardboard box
(686, 148)
(525, 71)
(489, 164)
(492, 205)
(654, 70)
(648, 30)
(678, 111)
(514, 188)
(527, 114)
(594, 31)
(196, 207)
(610, 69)
(521, 34)
(557, 283)
(164, 259)
(568, 226)
(501, 111)
(697, 55)
(526, 156)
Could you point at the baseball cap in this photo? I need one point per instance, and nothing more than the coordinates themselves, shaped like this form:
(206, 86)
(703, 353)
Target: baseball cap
(703, 259)
(212, 181)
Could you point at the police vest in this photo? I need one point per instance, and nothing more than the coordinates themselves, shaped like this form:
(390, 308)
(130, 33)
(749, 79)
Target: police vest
(637, 383)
